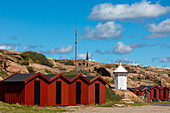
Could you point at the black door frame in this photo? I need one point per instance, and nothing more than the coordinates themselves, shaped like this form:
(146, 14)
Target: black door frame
(97, 93)
(164, 94)
(78, 92)
(155, 94)
(37, 92)
(58, 92)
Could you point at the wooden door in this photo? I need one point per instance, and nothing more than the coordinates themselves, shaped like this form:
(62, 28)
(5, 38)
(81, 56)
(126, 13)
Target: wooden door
(37, 93)
(58, 92)
(78, 92)
(97, 93)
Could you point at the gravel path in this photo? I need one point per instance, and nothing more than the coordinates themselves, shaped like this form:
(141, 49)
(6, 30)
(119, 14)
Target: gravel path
(134, 109)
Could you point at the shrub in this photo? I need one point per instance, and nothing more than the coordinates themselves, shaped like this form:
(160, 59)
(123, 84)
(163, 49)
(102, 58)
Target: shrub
(2, 51)
(108, 66)
(25, 63)
(31, 69)
(110, 95)
(36, 58)
(48, 71)
(69, 63)
(3, 74)
(70, 73)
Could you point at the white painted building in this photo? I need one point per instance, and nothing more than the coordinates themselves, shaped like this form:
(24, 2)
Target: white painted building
(120, 78)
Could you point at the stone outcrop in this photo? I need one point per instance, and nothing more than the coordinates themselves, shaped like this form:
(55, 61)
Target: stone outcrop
(13, 67)
(127, 96)
(41, 68)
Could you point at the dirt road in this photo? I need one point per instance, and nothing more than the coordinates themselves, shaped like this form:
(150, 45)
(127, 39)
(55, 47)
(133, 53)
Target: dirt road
(134, 109)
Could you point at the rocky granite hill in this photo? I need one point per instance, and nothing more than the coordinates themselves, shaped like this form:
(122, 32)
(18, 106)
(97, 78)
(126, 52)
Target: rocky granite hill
(32, 62)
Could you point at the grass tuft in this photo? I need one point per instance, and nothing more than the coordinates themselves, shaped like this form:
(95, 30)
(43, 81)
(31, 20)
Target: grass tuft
(15, 108)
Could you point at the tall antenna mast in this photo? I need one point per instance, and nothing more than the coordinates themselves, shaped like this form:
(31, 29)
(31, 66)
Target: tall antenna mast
(76, 47)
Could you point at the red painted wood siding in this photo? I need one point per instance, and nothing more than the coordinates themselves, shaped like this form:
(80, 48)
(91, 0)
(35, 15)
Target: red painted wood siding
(14, 93)
(84, 92)
(29, 91)
(148, 95)
(140, 92)
(52, 93)
(157, 93)
(91, 93)
(162, 94)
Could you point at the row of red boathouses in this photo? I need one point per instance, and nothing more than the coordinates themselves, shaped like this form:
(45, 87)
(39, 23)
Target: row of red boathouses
(154, 93)
(53, 90)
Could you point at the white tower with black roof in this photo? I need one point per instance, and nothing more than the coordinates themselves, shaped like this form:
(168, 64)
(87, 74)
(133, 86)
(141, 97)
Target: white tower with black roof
(120, 78)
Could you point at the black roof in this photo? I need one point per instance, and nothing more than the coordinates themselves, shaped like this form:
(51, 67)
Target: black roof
(144, 86)
(90, 77)
(18, 78)
(133, 88)
(70, 76)
(50, 76)
(22, 77)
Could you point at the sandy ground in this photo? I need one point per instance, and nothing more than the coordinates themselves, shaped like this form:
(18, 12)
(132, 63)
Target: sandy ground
(133, 109)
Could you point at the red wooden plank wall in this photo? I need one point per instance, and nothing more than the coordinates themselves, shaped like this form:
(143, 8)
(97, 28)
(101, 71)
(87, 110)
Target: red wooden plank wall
(29, 91)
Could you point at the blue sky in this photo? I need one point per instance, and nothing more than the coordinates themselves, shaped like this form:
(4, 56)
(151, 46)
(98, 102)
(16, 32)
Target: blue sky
(135, 31)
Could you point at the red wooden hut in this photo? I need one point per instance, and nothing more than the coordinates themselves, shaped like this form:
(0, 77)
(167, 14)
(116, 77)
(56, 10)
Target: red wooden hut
(27, 89)
(58, 90)
(97, 90)
(147, 93)
(164, 93)
(155, 92)
(138, 91)
(78, 90)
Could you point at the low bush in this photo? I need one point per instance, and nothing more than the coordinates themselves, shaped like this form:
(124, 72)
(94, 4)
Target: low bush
(69, 63)
(110, 96)
(25, 63)
(36, 58)
(31, 69)
(3, 74)
(48, 71)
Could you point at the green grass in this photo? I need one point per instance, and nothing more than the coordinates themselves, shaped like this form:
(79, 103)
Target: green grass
(14, 108)
(148, 103)
(111, 99)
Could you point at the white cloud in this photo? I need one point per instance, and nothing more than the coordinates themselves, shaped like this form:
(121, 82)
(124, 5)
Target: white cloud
(8, 46)
(163, 27)
(165, 60)
(30, 47)
(83, 55)
(104, 31)
(62, 50)
(143, 9)
(126, 61)
(121, 48)
(160, 30)
(25, 48)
